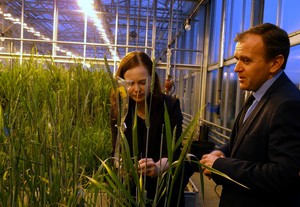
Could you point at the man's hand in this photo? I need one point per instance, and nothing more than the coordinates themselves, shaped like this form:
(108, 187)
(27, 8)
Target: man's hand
(209, 159)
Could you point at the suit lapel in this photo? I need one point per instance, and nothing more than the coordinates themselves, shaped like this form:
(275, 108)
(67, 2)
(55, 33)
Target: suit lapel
(239, 134)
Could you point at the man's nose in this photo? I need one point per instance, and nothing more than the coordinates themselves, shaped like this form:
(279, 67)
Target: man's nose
(238, 67)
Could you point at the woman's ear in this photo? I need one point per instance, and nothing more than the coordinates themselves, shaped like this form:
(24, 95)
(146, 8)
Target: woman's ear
(277, 63)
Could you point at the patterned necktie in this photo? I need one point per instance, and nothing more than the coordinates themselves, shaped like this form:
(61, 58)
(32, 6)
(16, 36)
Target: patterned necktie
(246, 106)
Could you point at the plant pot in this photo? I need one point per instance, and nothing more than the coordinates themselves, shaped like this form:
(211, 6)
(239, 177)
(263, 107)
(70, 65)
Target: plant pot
(190, 194)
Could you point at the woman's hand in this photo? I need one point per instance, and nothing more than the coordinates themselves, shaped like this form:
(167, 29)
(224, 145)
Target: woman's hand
(150, 168)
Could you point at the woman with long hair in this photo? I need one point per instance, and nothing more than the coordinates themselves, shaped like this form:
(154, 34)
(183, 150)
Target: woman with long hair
(136, 69)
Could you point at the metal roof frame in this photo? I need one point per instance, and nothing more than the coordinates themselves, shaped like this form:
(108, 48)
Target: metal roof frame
(149, 25)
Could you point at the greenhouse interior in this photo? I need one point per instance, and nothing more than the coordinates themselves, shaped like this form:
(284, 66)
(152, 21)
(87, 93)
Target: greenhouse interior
(58, 59)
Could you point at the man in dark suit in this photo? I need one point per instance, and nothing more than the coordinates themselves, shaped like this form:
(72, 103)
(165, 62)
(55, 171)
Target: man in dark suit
(264, 150)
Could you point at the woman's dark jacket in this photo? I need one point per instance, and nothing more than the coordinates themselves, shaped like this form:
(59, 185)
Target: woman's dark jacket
(155, 134)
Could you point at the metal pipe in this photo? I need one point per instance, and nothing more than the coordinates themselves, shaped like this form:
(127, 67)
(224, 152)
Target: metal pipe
(116, 37)
(154, 29)
(257, 11)
(215, 125)
(175, 49)
(221, 58)
(55, 23)
(73, 43)
(128, 23)
(205, 53)
(22, 32)
(220, 134)
(147, 26)
(182, 28)
(85, 34)
(222, 35)
(170, 26)
(279, 12)
(138, 24)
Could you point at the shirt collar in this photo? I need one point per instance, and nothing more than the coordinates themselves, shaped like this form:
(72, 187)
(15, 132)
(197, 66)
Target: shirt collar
(265, 86)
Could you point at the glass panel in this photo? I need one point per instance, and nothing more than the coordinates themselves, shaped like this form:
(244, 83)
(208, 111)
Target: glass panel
(247, 14)
(290, 15)
(97, 51)
(70, 22)
(40, 48)
(270, 11)
(37, 25)
(188, 92)
(72, 50)
(238, 14)
(234, 26)
(161, 74)
(292, 67)
(215, 31)
(229, 96)
(211, 92)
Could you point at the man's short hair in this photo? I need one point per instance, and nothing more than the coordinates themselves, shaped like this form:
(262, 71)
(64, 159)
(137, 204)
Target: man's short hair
(276, 40)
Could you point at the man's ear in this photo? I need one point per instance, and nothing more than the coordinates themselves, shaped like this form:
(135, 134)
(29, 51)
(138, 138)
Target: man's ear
(277, 63)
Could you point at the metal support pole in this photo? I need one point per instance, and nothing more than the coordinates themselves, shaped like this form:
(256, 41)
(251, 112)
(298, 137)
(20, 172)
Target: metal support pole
(257, 12)
(170, 26)
(279, 12)
(154, 29)
(55, 28)
(22, 33)
(85, 34)
(221, 59)
(116, 37)
(147, 27)
(128, 23)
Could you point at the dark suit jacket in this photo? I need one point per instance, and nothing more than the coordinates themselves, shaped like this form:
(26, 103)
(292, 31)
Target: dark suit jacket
(264, 154)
